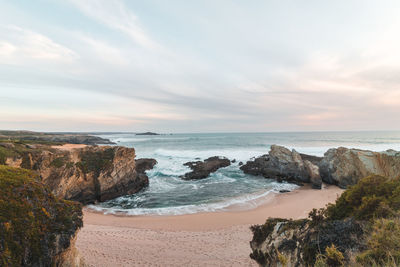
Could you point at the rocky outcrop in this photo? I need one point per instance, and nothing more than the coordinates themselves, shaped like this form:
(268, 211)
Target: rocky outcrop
(202, 169)
(36, 228)
(344, 166)
(299, 242)
(286, 165)
(340, 166)
(87, 175)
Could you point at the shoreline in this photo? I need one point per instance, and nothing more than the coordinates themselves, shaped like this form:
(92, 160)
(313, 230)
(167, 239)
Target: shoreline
(211, 239)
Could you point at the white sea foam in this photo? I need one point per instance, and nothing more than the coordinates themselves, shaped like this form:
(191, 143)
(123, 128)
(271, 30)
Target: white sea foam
(238, 154)
(249, 201)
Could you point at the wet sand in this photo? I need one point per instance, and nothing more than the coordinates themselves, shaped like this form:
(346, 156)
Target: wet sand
(202, 239)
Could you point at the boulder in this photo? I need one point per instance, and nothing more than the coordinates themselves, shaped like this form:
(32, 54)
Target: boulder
(202, 169)
(283, 164)
(344, 166)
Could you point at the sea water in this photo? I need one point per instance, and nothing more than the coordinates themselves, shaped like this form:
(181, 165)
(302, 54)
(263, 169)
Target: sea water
(168, 194)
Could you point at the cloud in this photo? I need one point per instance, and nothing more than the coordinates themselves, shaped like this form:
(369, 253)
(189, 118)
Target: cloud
(18, 45)
(114, 14)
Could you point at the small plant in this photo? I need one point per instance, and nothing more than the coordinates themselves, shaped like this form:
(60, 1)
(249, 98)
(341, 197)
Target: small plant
(383, 243)
(317, 216)
(282, 259)
(334, 258)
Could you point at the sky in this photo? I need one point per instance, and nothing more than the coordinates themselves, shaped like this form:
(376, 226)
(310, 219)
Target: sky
(199, 66)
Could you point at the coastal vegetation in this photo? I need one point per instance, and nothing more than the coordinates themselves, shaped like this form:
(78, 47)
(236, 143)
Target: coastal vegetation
(361, 229)
(35, 226)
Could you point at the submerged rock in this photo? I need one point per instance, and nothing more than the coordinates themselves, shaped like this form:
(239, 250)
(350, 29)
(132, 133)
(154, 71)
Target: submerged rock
(284, 165)
(202, 169)
(87, 175)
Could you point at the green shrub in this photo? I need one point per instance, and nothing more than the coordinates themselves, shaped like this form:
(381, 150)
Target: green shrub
(383, 243)
(372, 197)
(96, 161)
(58, 162)
(332, 258)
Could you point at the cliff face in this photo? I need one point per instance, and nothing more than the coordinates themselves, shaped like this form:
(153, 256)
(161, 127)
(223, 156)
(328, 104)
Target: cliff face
(299, 242)
(87, 175)
(362, 228)
(343, 166)
(36, 228)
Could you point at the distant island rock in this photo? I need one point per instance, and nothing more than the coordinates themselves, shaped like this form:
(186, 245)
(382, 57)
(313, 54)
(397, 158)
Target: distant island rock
(147, 133)
(202, 169)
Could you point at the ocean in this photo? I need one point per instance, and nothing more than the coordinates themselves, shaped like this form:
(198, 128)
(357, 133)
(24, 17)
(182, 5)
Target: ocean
(229, 187)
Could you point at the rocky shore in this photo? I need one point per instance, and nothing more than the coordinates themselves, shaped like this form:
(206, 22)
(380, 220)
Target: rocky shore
(339, 166)
(88, 174)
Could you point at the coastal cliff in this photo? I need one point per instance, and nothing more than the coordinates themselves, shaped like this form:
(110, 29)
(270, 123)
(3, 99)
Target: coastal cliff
(339, 166)
(361, 229)
(88, 174)
(36, 228)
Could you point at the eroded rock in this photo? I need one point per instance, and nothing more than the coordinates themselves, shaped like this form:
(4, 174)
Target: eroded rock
(202, 169)
(283, 164)
(344, 166)
(87, 175)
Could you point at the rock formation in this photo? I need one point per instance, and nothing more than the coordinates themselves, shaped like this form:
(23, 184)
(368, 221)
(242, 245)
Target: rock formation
(87, 175)
(298, 242)
(202, 169)
(283, 164)
(344, 166)
(36, 228)
(339, 166)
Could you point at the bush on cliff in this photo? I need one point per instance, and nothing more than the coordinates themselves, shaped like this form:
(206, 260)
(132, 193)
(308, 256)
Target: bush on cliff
(364, 219)
(372, 197)
(35, 226)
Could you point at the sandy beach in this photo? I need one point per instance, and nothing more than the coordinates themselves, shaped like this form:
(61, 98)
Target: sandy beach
(202, 239)
(69, 146)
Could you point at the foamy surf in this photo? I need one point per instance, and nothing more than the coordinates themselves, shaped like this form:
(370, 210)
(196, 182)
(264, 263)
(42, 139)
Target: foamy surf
(245, 202)
(228, 188)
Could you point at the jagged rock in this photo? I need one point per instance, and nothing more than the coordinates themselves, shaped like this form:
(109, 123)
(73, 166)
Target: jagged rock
(313, 171)
(283, 164)
(343, 166)
(202, 169)
(299, 241)
(87, 175)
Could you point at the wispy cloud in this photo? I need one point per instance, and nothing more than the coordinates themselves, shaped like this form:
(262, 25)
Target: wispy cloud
(115, 15)
(18, 44)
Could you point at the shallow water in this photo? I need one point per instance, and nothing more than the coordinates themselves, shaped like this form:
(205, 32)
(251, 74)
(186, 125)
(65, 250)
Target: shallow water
(167, 194)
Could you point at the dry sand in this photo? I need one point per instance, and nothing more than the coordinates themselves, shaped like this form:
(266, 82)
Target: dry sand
(69, 146)
(203, 239)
